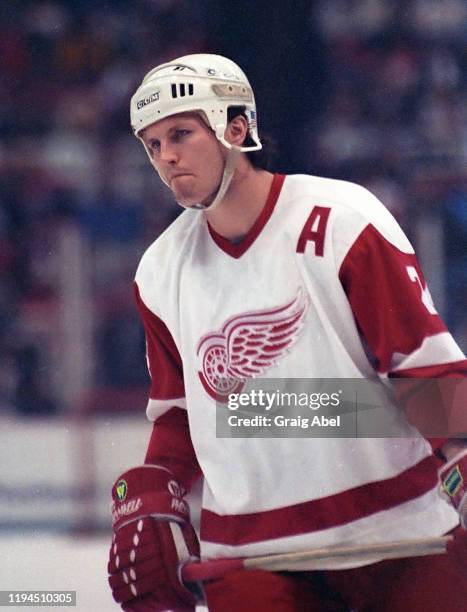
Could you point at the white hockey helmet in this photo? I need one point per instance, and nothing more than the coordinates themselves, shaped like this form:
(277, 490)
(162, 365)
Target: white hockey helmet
(203, 83)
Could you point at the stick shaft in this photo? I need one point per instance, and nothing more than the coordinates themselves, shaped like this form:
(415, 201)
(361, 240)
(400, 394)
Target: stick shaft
(216, 568)
(400, 548)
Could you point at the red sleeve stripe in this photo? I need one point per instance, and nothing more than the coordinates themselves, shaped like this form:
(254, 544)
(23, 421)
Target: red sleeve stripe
(323, 513)
(158, 407)
(454, 369)
(434, 350)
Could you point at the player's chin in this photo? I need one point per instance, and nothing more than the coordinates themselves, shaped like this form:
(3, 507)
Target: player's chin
(192, 199)
(183, 195)
(187, 200)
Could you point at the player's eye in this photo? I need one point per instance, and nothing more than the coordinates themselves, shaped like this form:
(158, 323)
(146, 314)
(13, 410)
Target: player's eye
(154, 146)
(180, 134)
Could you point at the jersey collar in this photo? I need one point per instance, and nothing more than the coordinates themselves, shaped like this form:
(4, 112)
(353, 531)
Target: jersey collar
(237, 249)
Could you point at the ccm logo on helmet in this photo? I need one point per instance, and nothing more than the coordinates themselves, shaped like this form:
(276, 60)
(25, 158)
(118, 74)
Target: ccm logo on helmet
(145, 101)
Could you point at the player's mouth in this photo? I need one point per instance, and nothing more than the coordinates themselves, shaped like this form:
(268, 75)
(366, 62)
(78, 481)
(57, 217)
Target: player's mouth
(179, 176)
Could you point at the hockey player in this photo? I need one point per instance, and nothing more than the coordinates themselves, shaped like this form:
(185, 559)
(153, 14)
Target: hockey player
(280, 277)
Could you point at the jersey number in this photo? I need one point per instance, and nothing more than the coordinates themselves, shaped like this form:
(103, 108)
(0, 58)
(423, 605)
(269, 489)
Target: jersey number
(314, 230)
(425, 295)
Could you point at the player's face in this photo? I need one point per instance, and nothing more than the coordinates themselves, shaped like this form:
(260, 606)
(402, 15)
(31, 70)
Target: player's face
(187, 156)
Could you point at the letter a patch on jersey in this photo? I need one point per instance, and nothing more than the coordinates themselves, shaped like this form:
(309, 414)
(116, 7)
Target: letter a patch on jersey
(247, 345)
(314, 230)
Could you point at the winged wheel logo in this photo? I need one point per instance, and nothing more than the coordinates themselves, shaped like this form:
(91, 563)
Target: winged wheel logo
(247, 346)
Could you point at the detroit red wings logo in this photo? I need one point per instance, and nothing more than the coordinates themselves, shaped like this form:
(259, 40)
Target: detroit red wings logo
(247, 346)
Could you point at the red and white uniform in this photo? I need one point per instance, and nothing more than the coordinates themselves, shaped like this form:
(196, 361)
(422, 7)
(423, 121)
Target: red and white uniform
(327, 260)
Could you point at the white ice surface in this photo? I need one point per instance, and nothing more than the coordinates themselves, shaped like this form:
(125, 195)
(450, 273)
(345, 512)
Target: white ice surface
(53, 562)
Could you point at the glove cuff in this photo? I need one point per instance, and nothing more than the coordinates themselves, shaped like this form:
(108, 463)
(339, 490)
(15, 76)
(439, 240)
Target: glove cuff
(148, 491)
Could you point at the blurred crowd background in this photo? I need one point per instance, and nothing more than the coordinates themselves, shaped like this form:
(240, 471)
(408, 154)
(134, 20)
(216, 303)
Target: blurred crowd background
(372, 91)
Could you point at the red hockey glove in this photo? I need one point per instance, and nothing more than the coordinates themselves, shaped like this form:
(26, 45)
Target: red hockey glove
(453, 477)
(152, 540)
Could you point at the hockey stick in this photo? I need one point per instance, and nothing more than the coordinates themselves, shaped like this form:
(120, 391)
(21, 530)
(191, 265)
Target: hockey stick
(216, 568)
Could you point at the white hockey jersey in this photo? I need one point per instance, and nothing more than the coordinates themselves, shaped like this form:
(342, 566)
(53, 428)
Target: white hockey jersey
(328, 254)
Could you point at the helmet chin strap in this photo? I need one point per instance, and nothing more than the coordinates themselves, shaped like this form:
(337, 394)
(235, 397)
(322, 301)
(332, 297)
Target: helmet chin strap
(233, 154)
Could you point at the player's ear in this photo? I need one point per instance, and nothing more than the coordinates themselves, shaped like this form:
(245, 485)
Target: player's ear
(236, 130)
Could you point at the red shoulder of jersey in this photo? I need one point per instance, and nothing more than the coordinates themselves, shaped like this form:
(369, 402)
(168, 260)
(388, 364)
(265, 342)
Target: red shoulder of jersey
(405, 336)
(394, 311)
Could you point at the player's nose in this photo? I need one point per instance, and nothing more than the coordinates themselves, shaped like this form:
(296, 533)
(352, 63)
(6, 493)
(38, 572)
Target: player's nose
(168, 153)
